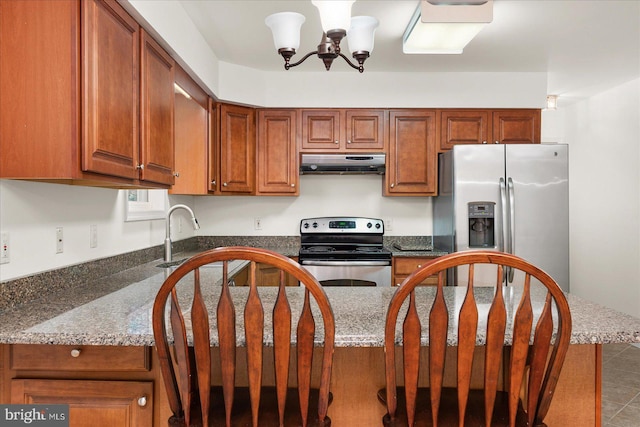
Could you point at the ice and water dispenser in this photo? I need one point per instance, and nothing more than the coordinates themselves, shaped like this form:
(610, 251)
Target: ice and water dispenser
(481, 224)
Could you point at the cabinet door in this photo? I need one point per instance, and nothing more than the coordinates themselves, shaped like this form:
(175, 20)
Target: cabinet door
(91, 403)
(156, 112)
(237, 149)
(191, 136)
(516, 127)
(365, 130)
(321, 130)
(412, 159)
(463, 127)
(214, 147)
(110, 89)
(277, 167)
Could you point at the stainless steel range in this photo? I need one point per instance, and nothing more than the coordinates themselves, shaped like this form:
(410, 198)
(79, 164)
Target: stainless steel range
(345, 251)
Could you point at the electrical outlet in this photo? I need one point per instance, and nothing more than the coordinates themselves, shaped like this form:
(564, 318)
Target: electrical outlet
(257, 223)
(4, 248)
(93, 236)
(388, 224)
(59, 240)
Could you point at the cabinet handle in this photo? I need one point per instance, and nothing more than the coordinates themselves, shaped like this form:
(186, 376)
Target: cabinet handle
(484, 142)
(337, 142)
(140, 167)
(293, 185)
(497, 142)
(75, 352)
(142, 401)
(419, 265)
(349, 141)
(392, 185)
(177, 174)
(224, 184)
(213, 182)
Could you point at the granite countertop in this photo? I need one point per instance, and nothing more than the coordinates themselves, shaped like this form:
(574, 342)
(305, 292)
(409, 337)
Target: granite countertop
(116, 310)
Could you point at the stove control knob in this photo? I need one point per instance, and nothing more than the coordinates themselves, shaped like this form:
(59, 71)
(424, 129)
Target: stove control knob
(315, 225)
(378, 225)
(369, 225)
(305, 225)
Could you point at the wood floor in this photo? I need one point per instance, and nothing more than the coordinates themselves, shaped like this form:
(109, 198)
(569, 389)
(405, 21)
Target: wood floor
(621, 385)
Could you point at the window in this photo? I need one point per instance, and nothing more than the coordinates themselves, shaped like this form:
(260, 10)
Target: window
(145, 204)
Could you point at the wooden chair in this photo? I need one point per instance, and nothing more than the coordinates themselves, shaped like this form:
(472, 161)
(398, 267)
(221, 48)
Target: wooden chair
(187, 374)
(532, 363)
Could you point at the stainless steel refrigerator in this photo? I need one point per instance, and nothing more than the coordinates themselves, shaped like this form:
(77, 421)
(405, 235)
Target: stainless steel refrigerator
(512, 198)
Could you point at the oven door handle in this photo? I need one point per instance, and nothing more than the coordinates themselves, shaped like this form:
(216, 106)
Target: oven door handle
(347, 263)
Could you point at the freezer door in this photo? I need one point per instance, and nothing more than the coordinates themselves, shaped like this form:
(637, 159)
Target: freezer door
(540, 205)
(477, 170)
(477, 173)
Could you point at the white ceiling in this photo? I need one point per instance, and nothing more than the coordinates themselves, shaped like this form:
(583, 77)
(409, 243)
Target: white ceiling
(584, 45)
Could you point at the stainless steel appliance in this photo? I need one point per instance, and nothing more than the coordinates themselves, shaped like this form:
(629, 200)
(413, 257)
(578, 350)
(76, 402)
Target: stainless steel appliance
(342, 164)
(513, 198)
(345, 251)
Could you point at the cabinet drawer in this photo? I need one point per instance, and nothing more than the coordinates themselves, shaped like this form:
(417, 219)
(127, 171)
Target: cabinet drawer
(406, 266)
(42, 357)
(429, 281)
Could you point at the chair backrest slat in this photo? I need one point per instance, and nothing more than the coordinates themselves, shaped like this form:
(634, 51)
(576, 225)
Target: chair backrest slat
(201, 346)
(497, 318)
(226, 318)
(536, 362)
(411, 331)
(539, 354)
(467, 330)
(438, 328)
(304, 342)
(181, 353)
(519, 348)
(254, 335)
(281, 344)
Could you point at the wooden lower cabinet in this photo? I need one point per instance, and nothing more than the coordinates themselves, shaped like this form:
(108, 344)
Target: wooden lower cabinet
(104, 386)
(404, 266)
(91, 403)
(266, 275)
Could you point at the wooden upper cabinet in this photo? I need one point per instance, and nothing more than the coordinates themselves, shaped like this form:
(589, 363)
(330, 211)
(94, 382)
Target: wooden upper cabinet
(339, 130)
(191, 136)
(277, 166)
(237, 149)
(480, 126)
(110, 93)
(156, 112)
(516, 126)
(87, 98)
(463, 127)
(412, 158)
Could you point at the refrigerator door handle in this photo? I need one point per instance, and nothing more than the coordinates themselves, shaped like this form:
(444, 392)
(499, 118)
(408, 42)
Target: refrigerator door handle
(503, 202)
(512, 222)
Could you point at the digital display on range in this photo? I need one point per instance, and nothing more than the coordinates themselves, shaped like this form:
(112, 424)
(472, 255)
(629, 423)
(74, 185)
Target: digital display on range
(342, 224)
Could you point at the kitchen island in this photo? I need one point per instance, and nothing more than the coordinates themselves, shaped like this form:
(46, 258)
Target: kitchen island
(116, 311)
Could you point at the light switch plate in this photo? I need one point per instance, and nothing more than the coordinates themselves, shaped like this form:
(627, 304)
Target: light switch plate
(59, 240)
(4, 248)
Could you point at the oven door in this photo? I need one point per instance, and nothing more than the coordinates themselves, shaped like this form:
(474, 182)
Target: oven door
(350, 273)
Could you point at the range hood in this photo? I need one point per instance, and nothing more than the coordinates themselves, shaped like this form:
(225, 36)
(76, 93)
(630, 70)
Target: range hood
(342, 164)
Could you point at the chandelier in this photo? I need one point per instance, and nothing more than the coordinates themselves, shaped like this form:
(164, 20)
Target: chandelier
(337, 24)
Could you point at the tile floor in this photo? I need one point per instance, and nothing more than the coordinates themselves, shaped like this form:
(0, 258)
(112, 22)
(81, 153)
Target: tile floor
(621, 385)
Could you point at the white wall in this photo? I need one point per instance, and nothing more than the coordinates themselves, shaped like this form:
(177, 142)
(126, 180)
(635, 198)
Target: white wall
(325, 195)
(31, 211)
(603, 133)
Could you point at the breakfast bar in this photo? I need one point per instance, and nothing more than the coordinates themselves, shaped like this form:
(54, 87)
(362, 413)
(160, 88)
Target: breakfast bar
(113, 315)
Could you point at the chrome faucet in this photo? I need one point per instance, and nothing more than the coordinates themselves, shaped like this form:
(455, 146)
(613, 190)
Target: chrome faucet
(167, 240)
